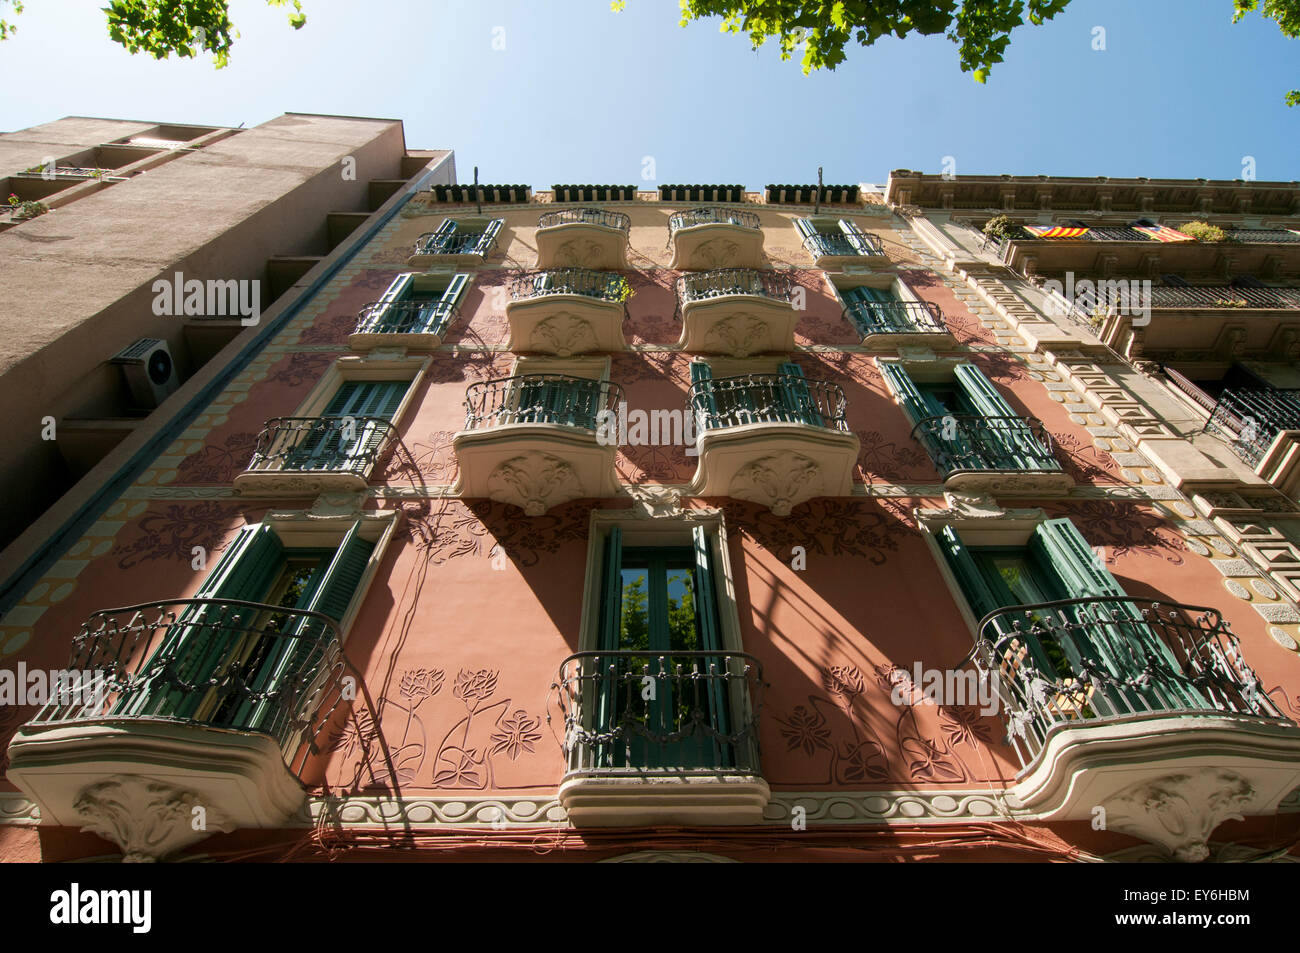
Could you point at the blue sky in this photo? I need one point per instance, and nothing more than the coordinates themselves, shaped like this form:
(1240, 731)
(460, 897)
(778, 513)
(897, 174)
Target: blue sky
(581, 94)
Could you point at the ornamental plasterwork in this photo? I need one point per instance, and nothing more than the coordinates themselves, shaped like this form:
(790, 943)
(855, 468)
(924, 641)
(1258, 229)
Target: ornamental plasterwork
(781, 481)
(146, 818)
(535, 481)
(1180, 811)
(564, 334)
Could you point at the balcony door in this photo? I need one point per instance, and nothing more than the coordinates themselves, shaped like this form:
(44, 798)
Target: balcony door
(661, 689)
(346, 433)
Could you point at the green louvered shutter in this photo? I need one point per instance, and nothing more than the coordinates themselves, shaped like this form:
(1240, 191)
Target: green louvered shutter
(437, 244)
(857, 241)
(705, 403)
(1123, 647)
(326, 447)
(798, 397)
(918, 408)
(983, 598)
(199, 641)
(869, 310)
(805, 227)
(304, 647)
(1008, 444)
(711, 640)
(607, 666)
(384, 319)
(442, 313)
(488, 241)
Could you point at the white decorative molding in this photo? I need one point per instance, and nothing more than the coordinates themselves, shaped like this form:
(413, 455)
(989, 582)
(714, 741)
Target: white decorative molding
(780, 481)
(1180, 811)
(716, 245)
(535, 481)
(146, 818)
(18, 809)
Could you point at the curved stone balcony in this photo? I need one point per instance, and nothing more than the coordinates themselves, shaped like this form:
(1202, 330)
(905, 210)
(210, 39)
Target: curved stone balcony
(179, 706)
(737, 312)
(537, 440)
(566, 311)
(773, 439)
(715, 237)
(583, 238)
(1143, 709)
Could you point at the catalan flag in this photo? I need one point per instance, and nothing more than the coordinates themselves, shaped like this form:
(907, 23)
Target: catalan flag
(1056, 231)
(1163, 233)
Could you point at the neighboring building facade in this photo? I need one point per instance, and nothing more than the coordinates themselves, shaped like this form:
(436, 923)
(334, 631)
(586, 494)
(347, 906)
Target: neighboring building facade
(697, 524)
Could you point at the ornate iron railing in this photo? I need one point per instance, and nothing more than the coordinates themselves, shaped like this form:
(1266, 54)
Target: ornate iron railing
(1081, 661)
(1256, 236)
(456, 243)
(644, 712)
(825, 244)
(711, 215)
(242, 666)
(603, 285)
(589, 216)
(966, 442)
(1226, 297)
(895, 317)
(767, 399)
(723, 282)
(1250, 418)
(335, 444)
(405, 317)
(540, 399)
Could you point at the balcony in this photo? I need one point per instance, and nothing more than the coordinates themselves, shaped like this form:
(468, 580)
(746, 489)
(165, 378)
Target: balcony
(304, 456)
(715, 237)
(686, 754)
(898, 323)
(412, 324)
(988, 454)
(833, 250)
(773, 439)
(736, 311)
(1147, 710)
(1262, 426)
(568, 311)
(533, 440)
(1225, 297)
(1119, 250)
(469, 243)
(184, 704)
(1217, 321)
(583, 238)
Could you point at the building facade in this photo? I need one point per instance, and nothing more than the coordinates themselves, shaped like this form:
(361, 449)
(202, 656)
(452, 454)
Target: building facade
(692, 524)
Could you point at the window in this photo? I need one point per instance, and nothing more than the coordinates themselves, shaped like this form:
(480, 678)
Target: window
(965, 424)
(661, 655)
(352, 428)
(468, 236)
(234, 665)
(1106, 636)
(835, 237)
(415, 304)
(784, 397)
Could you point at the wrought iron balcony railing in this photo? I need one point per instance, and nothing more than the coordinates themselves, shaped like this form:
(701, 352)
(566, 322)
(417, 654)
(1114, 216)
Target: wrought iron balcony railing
(829, 244)
(711, 215)
(602, 285)
(405, 317)
(647, 713)
(1250, 418)
(767, 399)
(540, 399)
(589, 216)
(970, 442)
(321, 444)
(895, 317)
(456, 243)
(241, 666)
(1226, 297)
(1077, 662)
(1265, 236)
(706, 285)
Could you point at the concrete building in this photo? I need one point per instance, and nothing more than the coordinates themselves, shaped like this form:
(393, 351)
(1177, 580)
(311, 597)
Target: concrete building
(693, 523)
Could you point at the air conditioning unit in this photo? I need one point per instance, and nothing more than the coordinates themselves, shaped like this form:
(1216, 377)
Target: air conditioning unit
(149, 370)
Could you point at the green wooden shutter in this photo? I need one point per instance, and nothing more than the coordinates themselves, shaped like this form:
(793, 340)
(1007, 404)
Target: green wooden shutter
(1006, 443)
(805, 227)
(855, 238)
(798, 396)
(606, 687)
(447, 305)
(1123, 647)
(705, 401)
(706, 595)
(914, 403)
(488, 241)
(342, 576)
(611, 603)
